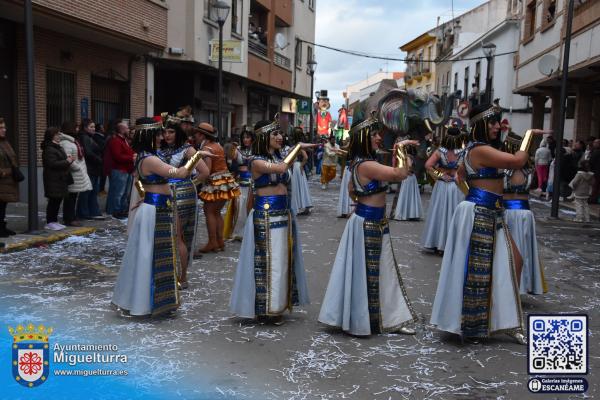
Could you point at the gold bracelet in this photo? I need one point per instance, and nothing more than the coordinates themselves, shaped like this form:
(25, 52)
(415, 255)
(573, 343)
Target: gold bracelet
(526, 142)
(401, 156)
(140, 188)
(435, 173)
(289, 159)
(193, 161)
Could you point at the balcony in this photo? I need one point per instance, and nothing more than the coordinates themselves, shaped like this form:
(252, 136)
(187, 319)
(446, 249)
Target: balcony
(282, 61)
(256, 47)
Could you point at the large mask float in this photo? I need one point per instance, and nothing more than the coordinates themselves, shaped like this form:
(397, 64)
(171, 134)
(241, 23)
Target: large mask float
(323, 116)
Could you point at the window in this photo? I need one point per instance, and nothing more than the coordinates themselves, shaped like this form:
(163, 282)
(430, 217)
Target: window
(477, 74)
(549, 12)
(309, 54)
(60, 97)
(298, 53)
(110, 99)
(236, 16)
(529, 29)
(466, 83)
(207, 9)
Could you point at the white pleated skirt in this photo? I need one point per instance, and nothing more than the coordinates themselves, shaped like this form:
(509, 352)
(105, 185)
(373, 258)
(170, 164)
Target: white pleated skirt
(300, 194)
(242, 211)
(505, 309)
(133, 288)
(445, 197)
(344, 204)
(243, 295)
(521, 225)
(346, 303)
(409, 200)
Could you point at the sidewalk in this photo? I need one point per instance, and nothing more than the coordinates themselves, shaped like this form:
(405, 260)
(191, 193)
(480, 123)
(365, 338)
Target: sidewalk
(16, 217)
(594, 208)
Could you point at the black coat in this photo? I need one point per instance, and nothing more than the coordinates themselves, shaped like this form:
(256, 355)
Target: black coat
(93, 154)
(56, 171)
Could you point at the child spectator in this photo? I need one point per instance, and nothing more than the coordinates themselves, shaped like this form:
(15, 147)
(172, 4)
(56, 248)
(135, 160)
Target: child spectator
(582, 186)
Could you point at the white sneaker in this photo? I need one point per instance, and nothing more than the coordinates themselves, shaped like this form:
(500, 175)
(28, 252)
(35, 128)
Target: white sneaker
(60, 226)
(52, 226)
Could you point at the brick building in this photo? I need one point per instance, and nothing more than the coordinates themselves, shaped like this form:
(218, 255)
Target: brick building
(89, 61)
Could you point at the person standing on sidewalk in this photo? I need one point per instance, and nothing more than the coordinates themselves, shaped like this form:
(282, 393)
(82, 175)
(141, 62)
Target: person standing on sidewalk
(87, 207)
(81, 181)
(57, 177)
(595, 168)
(582, 186)
(122, 157)
(543, 157)
(9, 187)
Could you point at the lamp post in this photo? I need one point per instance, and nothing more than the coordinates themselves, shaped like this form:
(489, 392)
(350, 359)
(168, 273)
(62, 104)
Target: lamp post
(221, 9)
(311, 67)
(489, 49)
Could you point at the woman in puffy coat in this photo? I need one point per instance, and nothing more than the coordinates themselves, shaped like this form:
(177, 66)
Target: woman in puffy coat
(81, 181)
(56, 176)
(9, 188)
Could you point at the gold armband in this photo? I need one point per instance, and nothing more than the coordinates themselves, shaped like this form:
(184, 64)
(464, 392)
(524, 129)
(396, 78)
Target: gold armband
(289, 159)
(435, 173)
(193, 161)
(140, 189)
(401, 157)
(526, 142)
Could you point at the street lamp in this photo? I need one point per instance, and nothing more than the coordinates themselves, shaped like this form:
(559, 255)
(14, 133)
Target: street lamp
(489, 50)
(310, 70)
(221, 9)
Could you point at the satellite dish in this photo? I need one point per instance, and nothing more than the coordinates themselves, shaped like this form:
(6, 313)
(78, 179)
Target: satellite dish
(548, 64)
(281, 41)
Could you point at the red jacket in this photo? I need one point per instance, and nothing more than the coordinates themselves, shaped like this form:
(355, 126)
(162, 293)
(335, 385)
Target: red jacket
(121, 154)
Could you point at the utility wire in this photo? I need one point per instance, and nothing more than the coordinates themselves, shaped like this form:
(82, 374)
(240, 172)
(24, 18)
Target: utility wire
(366, 55)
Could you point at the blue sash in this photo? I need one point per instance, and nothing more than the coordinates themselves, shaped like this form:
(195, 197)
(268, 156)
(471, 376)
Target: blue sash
(157, 199)
(516, 204)
(369, 212)
(278, 202)
(484, 198)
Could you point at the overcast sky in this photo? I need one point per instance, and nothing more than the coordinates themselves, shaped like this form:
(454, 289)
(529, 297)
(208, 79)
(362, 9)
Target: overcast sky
(371, 26)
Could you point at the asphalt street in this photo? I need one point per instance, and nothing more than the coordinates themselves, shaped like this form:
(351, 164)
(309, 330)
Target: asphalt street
(204, 352)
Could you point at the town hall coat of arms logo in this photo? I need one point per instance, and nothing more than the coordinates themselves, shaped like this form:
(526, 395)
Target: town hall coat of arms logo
(30, 354)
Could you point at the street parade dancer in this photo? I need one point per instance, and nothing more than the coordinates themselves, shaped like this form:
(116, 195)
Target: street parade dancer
(270, 276)
(365, 294)
(445, 197)
(243, 203)
(147, 280)
(478, 293)
(176, 151)
(521, 221)
(331, 150)
(218, 189)
(300, 199)
(408, 206)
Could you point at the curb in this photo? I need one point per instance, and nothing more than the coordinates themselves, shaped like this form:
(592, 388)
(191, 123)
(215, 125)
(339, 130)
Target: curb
(38, 240)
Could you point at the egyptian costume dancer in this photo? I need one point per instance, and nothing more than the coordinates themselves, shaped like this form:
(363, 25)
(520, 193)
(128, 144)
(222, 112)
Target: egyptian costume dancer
(521, 222)
(446, 195)
(243, 203)
(365, 294)
(478, 292)
(218, 189)
(300, 199)
(270, 276)
(147, 280)
(175, 151)
(408, 206)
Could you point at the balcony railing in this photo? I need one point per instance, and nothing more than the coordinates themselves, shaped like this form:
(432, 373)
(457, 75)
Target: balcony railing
(257, 47)
(282, 61)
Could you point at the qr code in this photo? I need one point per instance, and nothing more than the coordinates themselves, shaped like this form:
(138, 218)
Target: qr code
(557, 344)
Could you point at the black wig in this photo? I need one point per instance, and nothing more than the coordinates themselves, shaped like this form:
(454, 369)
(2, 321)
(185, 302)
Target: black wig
(479, 117)
(144, 138)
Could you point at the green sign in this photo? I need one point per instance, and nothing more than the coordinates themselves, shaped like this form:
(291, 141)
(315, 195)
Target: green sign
(303, 106)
